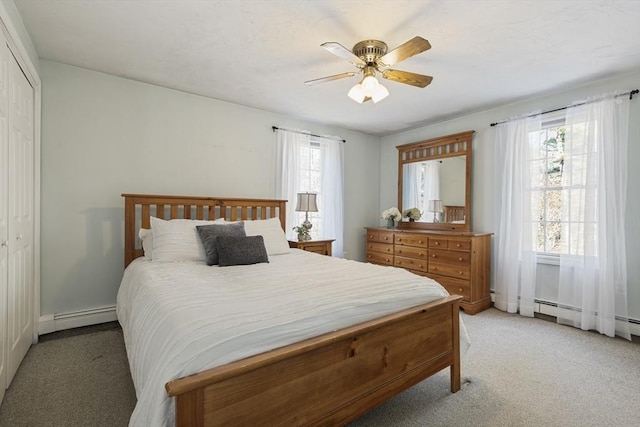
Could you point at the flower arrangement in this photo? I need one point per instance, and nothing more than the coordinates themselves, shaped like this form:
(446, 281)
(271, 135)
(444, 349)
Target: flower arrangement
(413, 214)
(392, 214)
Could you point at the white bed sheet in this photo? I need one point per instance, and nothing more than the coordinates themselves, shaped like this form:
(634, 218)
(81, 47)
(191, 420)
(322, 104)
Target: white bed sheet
(184, 317)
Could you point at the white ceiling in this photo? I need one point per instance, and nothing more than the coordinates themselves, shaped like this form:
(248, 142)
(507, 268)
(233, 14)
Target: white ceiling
(259, 53)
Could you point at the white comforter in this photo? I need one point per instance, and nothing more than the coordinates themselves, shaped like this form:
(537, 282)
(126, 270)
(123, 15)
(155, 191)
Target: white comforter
(181, 318)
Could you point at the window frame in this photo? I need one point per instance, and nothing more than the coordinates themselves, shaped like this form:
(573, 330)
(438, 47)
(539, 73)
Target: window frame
(552, 121)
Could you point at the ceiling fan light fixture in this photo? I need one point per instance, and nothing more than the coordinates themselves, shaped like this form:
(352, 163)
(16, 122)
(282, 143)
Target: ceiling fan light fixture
(357, 93)
(379, 94)
(369, 84)
(371, 57)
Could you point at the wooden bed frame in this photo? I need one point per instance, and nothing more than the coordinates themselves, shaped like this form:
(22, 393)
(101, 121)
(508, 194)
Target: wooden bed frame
(454, 213)
(327, 380)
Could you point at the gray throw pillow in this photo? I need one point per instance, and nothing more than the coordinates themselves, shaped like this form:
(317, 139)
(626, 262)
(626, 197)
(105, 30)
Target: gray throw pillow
(241, 250)
(209, 233)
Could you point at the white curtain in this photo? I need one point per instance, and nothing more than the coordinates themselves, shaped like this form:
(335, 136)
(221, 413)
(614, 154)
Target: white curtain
(331, 196)
(288, 158)
(412, 186)
(593, 270)
(289, 145)
(431, 187)
(515, 236)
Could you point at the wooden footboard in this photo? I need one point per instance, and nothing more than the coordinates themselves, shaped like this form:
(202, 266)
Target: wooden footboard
(328, 380)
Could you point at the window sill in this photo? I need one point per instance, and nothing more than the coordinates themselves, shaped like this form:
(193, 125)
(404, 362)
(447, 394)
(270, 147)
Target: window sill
(548, 259)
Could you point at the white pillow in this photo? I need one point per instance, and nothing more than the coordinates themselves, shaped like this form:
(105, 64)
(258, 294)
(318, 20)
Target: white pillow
(271, 231)
(178, 240)
(146, 236)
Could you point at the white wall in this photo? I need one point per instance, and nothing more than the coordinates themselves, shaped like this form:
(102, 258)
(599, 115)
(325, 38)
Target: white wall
(483, 164)
(103, 136)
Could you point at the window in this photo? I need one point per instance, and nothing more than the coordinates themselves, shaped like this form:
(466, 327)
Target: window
(311, 181)
(547, 186)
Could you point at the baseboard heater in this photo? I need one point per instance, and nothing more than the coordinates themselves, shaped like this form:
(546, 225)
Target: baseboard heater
(634, 324)
(75, 319)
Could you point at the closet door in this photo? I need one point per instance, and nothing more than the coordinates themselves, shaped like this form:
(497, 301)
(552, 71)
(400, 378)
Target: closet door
(4, 252)
(20, 207)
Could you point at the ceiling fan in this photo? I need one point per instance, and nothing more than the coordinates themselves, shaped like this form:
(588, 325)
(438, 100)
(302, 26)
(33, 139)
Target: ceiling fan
(371, 56)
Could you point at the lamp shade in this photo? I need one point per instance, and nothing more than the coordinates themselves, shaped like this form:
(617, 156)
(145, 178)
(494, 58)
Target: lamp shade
(380, 93)
(435, 206)
(357, 93)
(307, 202)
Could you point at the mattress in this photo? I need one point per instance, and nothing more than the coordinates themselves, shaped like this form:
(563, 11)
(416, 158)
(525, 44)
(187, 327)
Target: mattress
(179, 318)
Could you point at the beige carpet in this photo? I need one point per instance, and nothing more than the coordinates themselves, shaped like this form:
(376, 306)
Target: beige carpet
(518, 372)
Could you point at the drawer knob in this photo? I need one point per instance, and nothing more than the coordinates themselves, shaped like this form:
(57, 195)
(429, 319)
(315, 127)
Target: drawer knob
(368, 256)
(420, 241)
(420, 254)
(460, 259)
(461, 273)
(437, 243)
(457, 245)
(434, 256)
(460, 290)
(387, 259)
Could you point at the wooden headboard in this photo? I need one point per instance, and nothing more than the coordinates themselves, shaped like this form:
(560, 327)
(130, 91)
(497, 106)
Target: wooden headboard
(454, 213)
(138, 208)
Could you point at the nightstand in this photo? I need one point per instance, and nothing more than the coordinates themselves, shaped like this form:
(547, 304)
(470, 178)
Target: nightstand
(322, 247)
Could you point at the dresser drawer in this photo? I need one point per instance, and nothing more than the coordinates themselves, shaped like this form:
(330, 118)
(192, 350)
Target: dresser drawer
(457, 271)
(461, 244)
(411, 252)
(410, 263)
(380, 247)
(411, 239)
(380, 236)
(379, 258)
(450, 257)
(454, 286)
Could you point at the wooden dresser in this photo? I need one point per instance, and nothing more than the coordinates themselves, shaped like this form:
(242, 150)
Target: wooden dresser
(459, 261)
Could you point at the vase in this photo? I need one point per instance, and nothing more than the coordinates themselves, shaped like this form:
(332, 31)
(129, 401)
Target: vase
(391, 223)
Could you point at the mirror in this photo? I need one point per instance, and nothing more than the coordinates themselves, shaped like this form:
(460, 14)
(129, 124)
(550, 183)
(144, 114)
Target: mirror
(434, 176)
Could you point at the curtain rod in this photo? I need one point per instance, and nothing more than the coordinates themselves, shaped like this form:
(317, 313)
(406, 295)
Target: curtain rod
(274, 128)
(633, 92)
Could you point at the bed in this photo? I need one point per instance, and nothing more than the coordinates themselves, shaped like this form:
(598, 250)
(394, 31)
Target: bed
(326, 368)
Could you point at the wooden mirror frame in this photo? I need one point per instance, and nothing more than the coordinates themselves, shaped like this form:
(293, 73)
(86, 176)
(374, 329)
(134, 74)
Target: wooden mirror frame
(459, 144)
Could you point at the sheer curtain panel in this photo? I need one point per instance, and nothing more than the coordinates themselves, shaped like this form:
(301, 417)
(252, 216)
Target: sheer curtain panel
(412, 186)
(593, 267)
(289, 182)
(331, 196)
(515, 237)
(289, 147)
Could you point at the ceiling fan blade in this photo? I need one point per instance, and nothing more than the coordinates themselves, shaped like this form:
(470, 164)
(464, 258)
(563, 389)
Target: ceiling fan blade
(413, 79)
(344, 53)
(329, 78)
(406, 50)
